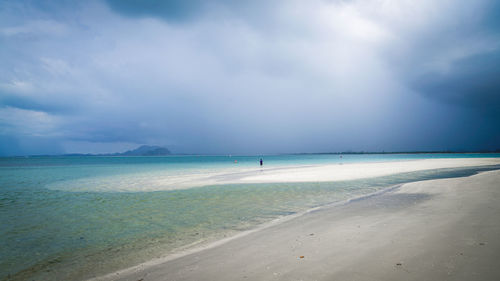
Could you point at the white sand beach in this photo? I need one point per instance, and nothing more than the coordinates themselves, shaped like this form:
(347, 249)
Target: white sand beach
(444, 229)
(161, 180)
(314, 173)
(350, 171)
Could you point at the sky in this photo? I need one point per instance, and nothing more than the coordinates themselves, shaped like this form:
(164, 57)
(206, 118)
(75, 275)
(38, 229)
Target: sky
(249, 77)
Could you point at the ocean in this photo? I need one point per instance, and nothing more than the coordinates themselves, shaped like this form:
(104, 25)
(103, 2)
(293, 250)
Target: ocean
(72, 218)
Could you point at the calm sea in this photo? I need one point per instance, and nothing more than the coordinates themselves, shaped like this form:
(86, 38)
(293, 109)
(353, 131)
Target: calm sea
(72, 218)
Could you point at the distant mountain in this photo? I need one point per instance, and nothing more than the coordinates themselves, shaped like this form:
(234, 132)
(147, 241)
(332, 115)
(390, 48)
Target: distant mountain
(146, 150)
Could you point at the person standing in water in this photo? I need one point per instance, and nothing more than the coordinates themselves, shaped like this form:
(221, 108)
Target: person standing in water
(261, 162)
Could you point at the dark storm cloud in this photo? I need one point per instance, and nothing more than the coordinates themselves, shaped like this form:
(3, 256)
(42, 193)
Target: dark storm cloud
(471, 82)
(458, 62)
(178, 11)
(248, 77)
(169, 9)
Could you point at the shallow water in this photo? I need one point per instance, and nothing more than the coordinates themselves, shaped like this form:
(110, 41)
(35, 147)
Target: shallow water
(56, 234)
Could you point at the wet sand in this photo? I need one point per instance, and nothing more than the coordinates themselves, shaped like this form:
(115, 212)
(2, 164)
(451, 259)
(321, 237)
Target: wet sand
(445, 229)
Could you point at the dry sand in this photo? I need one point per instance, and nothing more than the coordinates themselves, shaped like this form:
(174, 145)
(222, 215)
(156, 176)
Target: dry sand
(351, 171)
(447, 229)
(159, 180)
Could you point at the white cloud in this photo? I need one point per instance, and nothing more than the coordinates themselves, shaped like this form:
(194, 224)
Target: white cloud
(20, 122)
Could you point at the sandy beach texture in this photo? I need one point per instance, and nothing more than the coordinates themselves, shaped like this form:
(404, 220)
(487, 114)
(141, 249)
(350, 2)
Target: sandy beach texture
(159, 180)
(447, 229)
(351, 171)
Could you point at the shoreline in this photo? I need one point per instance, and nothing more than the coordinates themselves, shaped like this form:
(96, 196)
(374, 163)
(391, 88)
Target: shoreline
(153, 265)
(159, 181)
(209, 244)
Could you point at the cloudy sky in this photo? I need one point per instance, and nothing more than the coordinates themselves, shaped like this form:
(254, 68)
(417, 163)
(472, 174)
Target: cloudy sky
(249, 77)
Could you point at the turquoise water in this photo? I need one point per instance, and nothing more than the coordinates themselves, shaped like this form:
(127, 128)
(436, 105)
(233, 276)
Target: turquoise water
(61, 233)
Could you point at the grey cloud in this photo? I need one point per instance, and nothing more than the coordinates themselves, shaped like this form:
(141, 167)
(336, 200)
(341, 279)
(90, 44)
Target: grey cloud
(291, 76)
(170, 9)
(455, 59)
(35, 104)
(473, 81)
(175, 10)
(256, 12)
(12, 146)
